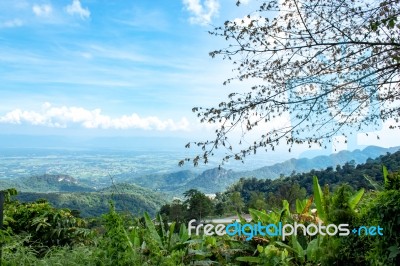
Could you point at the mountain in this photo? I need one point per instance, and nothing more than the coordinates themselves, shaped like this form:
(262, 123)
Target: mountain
(126, 197)
(64, 191)
(368, 175)
(218, 179)
(46, 183)
(320, 162)
(166, 182)
(212, 180)
(176, 183)
(145, 193)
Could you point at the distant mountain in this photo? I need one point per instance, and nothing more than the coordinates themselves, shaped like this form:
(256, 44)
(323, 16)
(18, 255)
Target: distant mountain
(212, 180)
(64, 191)
(368, 175)
(144, 193)
(217, 180)
(320, 162)
(46, 183)
(168, 182)
(126, 197)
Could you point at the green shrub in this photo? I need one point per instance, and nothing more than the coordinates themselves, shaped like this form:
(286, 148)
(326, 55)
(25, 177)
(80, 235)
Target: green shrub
(384, 211)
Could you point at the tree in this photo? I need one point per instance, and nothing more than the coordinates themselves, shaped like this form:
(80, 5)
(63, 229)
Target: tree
(198, 204)
(174, 212)
(287, 190)
(236, 201)
(257, 201)
(320, 69)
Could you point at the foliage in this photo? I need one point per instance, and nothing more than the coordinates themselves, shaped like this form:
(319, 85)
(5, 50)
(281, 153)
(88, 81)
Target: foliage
(18, 255)
(392, 180)
(128, 197)
(198, 205)
(368, 175)
(49, 183)
(257, 201)
(384, 210)
(328, 66)
(44, 225)
(175, 212)
(146, 241)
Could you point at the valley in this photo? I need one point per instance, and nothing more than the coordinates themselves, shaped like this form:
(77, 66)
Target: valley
(138, 182)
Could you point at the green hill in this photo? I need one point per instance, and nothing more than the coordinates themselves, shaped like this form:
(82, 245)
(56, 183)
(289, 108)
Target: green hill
(217, 180)
(349, 173)
(46, 183)
(64, 191)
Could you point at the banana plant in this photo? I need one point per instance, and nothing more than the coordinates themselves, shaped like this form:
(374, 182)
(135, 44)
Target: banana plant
(268, 256)
(272, 217)
(166, 240)
(319, 200)
(392, 180)
(355, 199)
(303, 210)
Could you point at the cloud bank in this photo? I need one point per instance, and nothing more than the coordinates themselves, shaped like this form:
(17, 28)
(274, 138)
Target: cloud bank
(201, 12)
(63, 117)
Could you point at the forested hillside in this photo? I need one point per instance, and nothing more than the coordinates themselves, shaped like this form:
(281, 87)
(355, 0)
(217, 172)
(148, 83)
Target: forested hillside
(219, 179)
(66, 192)
(47, 183)
(57, 236)
(367, 175)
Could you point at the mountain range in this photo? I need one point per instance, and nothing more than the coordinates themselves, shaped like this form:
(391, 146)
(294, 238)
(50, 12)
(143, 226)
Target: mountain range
(218, 179)
(64, 191)
(149, 192)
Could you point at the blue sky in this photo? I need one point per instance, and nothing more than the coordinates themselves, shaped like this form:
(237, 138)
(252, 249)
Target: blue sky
(134, 66)
(112, 68)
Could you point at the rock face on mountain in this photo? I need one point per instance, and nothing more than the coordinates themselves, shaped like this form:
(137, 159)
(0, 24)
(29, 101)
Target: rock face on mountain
(212, 180)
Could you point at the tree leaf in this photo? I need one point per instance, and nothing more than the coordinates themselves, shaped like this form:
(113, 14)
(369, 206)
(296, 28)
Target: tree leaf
(355, 199)
(318, 199)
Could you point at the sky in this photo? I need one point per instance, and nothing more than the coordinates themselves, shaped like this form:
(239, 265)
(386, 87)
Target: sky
(124, 65)
(113, 68)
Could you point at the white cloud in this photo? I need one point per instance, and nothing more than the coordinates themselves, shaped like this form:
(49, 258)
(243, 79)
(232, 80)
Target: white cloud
(202, 13)
(63, 117)
(75, 8)
(42, 10)
(11, 23)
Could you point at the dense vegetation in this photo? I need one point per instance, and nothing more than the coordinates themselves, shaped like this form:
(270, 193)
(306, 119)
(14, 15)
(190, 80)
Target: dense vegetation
(219, 179)
(127, 197)
(38, 234)
(367, 175)
(47, 228)
(64, 191)
(47, 183)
